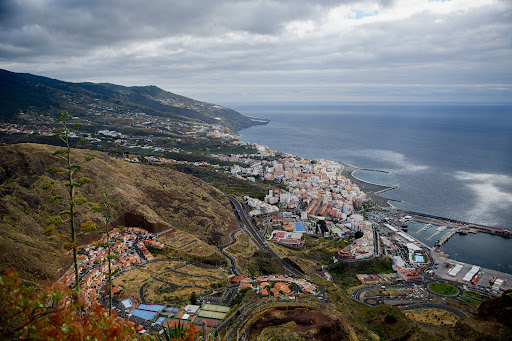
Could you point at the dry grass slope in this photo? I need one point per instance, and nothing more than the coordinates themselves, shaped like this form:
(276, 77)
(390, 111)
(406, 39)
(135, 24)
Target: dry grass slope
(155, 198)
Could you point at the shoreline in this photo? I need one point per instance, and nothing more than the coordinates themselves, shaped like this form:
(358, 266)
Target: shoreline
(371, 189)
(389, 188)
(444, 260)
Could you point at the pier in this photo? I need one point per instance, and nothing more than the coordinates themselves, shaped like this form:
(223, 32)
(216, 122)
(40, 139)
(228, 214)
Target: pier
(425, 227)
(438, 231)
(447, 236)
(436, 220)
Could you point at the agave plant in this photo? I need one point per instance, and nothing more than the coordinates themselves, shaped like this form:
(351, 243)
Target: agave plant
(178, 332)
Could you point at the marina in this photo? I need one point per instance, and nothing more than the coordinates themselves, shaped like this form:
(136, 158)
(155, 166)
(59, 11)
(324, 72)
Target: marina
(447, 236)
(473, 276)
(438, 231)
(424, 228)
(448, 222)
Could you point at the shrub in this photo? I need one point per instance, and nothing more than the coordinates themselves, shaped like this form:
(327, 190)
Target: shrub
(390, 318)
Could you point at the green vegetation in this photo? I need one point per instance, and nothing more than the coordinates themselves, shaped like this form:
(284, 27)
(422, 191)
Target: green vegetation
(224, 182)
(264, 266)
(471, 301)
(322, 225)
(239, 297)
(390, 318)
(41, 95)
(476, 295)
(344, 274)
(318, 250)
(197, 157)
(391, 324)
(443, 289)
(193, 298)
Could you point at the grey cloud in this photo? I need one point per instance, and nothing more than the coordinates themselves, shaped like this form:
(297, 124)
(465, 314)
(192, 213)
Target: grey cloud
(225, 48)
(64, 26)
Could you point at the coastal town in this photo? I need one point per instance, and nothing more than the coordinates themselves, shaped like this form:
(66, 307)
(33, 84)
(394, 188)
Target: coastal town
(313, 200)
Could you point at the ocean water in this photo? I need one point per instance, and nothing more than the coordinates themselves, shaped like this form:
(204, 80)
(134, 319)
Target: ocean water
(451, 160)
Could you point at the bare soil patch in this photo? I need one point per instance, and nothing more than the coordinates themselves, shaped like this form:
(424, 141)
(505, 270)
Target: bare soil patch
(303, 322)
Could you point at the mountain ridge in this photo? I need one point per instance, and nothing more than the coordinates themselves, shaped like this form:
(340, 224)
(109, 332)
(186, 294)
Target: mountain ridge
(20, 92)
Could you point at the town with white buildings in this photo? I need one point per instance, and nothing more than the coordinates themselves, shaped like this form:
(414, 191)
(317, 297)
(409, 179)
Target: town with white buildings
(128, 247)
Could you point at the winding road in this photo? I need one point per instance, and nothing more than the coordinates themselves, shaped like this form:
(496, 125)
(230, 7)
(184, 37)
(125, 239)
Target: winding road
(262, 244)
(256, 236)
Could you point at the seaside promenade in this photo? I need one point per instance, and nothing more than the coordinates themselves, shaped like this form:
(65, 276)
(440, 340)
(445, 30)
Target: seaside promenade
(372, 190)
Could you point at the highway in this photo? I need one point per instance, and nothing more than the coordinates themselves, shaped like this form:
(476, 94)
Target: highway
(257, 238)
(262, 244)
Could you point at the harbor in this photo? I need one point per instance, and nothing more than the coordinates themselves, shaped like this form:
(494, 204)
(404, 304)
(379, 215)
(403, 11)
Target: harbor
(465, 273)
(431, 235)
(474, 277)
(453, 223)
(374, 192)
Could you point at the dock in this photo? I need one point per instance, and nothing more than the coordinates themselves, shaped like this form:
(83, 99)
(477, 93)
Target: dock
(454, 223)
(483, 281)
(425, 227)
(447, 236)
(374, 192)
(438, 231)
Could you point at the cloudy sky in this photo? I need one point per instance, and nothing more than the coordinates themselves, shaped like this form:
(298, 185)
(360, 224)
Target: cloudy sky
(269, 50)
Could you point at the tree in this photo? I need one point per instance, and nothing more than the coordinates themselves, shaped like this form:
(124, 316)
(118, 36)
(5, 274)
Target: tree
(193, 298)
(323, 226)
(64, 135)
(358, 234)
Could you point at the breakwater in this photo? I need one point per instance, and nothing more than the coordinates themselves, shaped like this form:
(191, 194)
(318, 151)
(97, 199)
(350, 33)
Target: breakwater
(454, 223)
(374, 190)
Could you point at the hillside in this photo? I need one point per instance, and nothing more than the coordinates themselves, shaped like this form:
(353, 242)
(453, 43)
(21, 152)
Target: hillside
(156, 198)
(22, 92)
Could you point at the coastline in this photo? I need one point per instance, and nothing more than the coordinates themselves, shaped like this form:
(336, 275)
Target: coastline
(445, 263)
(371, 189)
(374, 190)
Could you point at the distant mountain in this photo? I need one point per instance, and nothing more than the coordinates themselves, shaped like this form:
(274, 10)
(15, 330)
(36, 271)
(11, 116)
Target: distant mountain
(22, 92)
